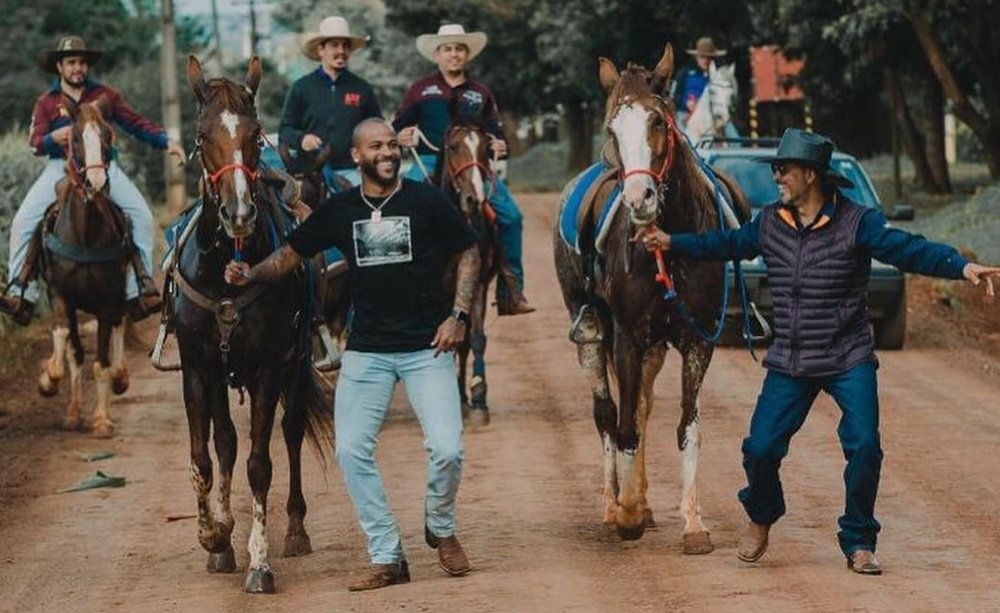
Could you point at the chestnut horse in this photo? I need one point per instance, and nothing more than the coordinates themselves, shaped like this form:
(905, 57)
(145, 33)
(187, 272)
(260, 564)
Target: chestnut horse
(464, 173)
(661, 183)
(87, 248)
(254, 338)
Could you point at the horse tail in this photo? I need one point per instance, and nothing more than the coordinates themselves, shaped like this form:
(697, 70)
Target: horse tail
(306, 405)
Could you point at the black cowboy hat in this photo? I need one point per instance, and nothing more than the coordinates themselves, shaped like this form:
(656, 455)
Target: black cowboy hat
(810, 149)
(68, 46)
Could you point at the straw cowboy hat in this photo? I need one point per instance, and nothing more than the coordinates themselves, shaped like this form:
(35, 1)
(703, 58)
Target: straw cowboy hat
(427, 44)
(67, 46)
(331, 27)
(706, 47)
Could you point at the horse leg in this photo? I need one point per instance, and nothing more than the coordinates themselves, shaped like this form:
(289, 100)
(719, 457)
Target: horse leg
(264, 398)
(480, 413)
(296, 538)
(631, 512)
(592, 361)
(53, 368)
(696, 357)
(224, 437)
(200, 394)
(119, 369)
(651, 364)
(103, 427)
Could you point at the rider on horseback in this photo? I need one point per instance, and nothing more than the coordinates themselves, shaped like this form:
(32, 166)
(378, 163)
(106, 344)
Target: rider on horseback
(323, 107)
(691, 82)
(422, 119)
(50, 134)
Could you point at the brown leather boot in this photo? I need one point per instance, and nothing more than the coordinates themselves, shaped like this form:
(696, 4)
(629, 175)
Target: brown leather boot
(864, 562)
(510, 296)
(148, 302)
(380, 575)
(451, 556)
(19, 309)
(753, 543)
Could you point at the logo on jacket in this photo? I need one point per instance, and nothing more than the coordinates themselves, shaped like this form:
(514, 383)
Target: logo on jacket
(431, 90)
(472, 97)
(352, 99)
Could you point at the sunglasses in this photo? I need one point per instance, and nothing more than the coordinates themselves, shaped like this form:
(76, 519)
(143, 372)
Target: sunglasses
(781, 168)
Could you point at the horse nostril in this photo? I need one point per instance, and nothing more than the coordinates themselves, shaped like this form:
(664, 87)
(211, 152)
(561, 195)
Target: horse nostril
(224, 213)
(649, 194)
(252, 212)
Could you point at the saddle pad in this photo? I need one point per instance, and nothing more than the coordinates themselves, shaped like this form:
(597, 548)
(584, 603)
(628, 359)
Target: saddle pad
(570, 214)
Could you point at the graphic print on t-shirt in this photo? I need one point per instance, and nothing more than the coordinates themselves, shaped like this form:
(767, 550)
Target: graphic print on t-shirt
(386, 241)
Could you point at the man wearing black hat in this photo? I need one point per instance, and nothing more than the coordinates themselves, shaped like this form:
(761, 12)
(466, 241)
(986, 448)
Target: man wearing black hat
(50, 133)
(818, 246)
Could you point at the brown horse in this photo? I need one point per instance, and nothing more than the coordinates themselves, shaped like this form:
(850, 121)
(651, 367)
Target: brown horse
(254, 338)
(464, 173)
(661, 183)
(86, 254)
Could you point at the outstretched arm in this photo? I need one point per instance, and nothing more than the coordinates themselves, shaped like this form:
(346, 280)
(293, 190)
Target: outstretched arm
(452, 330)
(742, 243)
(274, 268)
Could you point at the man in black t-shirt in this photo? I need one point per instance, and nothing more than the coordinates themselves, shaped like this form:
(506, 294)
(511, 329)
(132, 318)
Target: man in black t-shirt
(399, 236)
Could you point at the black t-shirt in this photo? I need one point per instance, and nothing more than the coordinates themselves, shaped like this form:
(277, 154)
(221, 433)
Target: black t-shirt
(397, 263)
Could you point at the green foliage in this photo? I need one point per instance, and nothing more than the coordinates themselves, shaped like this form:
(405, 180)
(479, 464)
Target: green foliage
(18, 170)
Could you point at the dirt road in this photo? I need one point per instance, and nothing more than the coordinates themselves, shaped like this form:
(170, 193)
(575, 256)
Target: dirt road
(529, 507)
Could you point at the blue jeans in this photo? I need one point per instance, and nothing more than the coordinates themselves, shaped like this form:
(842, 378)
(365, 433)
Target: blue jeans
(781, 410)
(43, 193)
(509, 218)
(364, 390)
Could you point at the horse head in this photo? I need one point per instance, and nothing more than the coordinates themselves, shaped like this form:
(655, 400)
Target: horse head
(722, 90)
(229, 143)
(464, 168)
(641, 124)
(89, 150)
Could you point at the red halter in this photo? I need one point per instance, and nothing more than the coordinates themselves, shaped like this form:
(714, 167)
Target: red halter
(488, 211)
(246, 170)
(668, 160)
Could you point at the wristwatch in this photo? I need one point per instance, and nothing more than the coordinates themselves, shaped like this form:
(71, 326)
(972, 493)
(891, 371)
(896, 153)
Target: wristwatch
(460, 315)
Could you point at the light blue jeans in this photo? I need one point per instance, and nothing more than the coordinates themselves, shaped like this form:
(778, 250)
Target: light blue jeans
(364, 390)
(43, 193)
(509, 218)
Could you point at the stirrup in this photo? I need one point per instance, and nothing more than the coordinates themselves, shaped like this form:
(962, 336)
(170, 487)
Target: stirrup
(156, 354)
(332, 355)
(576, 333)
(765, 328)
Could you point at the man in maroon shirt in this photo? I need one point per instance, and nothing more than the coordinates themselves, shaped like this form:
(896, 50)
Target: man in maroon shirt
(51, 128)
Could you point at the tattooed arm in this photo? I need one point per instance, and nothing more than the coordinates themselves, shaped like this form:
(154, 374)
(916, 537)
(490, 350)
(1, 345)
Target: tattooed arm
(452, 330)
(274, 268)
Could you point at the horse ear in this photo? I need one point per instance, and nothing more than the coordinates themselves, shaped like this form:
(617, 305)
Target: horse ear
(70, 105)
(607, 73)
(103, 106)
(253, 75)
(665, 67)
(196, 78)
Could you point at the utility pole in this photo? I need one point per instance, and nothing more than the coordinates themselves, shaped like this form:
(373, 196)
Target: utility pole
(218, 37)
(173, 172)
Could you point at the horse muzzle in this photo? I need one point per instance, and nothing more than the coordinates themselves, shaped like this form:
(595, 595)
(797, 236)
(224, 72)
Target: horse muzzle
(238, 224)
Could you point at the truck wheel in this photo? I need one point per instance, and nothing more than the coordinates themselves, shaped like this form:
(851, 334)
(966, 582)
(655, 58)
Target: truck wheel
(890, 330)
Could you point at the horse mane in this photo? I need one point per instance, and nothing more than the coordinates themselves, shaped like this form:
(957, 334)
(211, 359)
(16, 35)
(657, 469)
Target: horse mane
(230, 95)
(633, 83)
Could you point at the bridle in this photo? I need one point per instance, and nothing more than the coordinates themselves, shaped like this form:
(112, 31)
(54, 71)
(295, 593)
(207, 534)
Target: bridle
(668, 159)
(80, 170)
(488, 175)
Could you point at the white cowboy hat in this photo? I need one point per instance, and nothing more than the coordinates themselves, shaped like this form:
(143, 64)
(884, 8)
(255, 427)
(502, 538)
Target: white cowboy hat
(705, 47)
(427, 44)
(331, 27)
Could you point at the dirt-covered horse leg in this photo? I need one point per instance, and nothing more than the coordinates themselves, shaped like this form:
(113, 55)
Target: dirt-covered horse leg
(592, 361)
(119, 369)
(480, 411)
(103, 426)
(263, 400)
(202, 392)
(652, 362)
(696, 355)
(631, 512)
(225, 440)
(53, 368)
(297, 541)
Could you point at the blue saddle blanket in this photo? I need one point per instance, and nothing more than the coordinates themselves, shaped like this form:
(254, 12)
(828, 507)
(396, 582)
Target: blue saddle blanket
(569, 216)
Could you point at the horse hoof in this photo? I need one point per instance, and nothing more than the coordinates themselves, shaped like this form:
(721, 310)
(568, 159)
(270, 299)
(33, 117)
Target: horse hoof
(479, 416)
(104, 430)
(119, 384)
(72, 423)
(631, 533)
(647, 519)
(259, 581)
(698, 543)
(297, 545)
(222, 562)
(46, 386)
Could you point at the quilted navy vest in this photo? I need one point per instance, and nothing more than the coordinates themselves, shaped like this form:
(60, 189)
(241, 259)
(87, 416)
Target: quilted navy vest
(819, 280)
